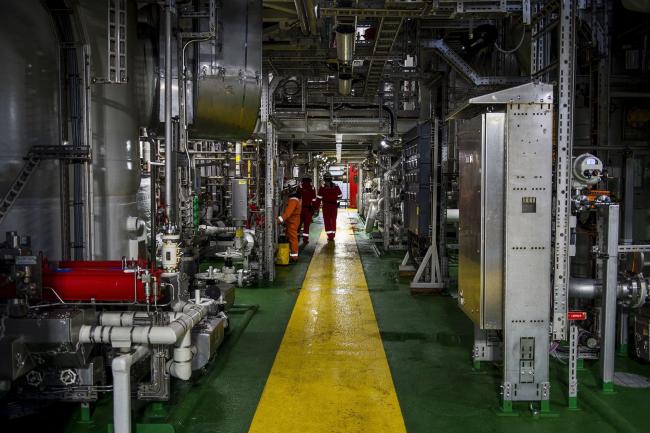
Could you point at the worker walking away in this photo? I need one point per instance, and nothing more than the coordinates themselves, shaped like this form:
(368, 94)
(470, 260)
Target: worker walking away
(291, 219)
(309, 207)
(330, 194)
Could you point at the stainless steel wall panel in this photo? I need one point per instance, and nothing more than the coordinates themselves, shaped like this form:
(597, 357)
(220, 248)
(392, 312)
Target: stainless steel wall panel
(116, 168)
(492, 198)
(29, 114)
(527, 250)
(470, 156)
(481, 163)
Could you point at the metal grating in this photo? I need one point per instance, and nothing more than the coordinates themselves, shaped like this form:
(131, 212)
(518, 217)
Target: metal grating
(117, 41)
(388, 30)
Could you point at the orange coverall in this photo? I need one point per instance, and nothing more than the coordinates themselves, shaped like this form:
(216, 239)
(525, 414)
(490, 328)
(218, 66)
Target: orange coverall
(291, 217)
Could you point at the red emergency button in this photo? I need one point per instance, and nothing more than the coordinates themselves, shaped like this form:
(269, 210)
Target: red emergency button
(577, 315)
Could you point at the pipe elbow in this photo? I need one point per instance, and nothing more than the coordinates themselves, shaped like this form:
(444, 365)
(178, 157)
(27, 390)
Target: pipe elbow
(180, 372)
(122, 363)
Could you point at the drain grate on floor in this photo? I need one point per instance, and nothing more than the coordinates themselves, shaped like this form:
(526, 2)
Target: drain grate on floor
(631, 380)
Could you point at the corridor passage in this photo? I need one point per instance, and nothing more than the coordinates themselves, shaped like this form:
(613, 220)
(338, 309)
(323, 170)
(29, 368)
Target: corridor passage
(331, 373)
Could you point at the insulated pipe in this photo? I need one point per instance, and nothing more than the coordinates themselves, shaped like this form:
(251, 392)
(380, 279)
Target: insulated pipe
(452, 215)
(169, 334)
(215, 230)
(238, 150)
(170, 197)
(121, 367)
(180, 366)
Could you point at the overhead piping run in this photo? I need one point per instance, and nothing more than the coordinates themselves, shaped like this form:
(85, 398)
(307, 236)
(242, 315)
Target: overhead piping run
(311, 15)
(386, 108)
(170, 197)
(460, 65)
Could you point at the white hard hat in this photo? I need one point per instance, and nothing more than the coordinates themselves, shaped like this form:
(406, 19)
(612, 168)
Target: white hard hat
(290, 184)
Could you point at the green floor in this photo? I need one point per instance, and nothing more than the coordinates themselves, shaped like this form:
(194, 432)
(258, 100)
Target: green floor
(427, 340)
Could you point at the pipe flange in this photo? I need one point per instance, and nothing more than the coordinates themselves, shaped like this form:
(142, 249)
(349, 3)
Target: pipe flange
(643, 292)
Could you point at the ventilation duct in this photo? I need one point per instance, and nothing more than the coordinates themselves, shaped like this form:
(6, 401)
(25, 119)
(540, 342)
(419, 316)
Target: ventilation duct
(228, 76)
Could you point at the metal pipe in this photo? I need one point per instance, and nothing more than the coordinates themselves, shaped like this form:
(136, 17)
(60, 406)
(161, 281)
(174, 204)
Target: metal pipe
(121, 367)
(345, 84)
(584, 288)
(170, 199)
(215, 230)
(636, 95)
(453, 215)
(302, 18)
(345, 43)
(311, 17)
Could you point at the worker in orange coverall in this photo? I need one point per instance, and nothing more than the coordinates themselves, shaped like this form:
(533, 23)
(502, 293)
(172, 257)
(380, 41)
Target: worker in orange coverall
(291, 218)
(330, 194)
(309, 207)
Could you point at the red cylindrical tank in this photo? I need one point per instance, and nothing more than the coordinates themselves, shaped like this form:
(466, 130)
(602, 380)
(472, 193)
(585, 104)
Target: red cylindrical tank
(94, 281)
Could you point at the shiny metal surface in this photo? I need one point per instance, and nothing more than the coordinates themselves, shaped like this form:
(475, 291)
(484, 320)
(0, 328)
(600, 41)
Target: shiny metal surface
(526, 251)
(331, 373)
(345, 43)
(345, 84)
(29, 116)
(480, 272)
(170, 157)
(584, 288)
(116, 170)
(228, 79)
(239, 194)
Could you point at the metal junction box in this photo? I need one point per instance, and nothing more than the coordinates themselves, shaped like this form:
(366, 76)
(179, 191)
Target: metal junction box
(505, 152)
(417, 179)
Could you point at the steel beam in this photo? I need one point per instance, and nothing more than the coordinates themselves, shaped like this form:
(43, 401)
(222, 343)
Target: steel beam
(565, 91)
(608, 249)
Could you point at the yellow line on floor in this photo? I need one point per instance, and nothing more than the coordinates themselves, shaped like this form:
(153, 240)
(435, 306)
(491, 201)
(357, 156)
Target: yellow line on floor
(331, 373)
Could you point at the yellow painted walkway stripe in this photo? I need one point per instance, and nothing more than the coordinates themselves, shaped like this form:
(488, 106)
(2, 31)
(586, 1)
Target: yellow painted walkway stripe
(331, 373)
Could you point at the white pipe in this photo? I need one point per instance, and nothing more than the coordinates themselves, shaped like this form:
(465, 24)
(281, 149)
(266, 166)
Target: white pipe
(238, 150)
(125, 335)
(214, 230)
(453, 215)
(121, 367)
(181, 364)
